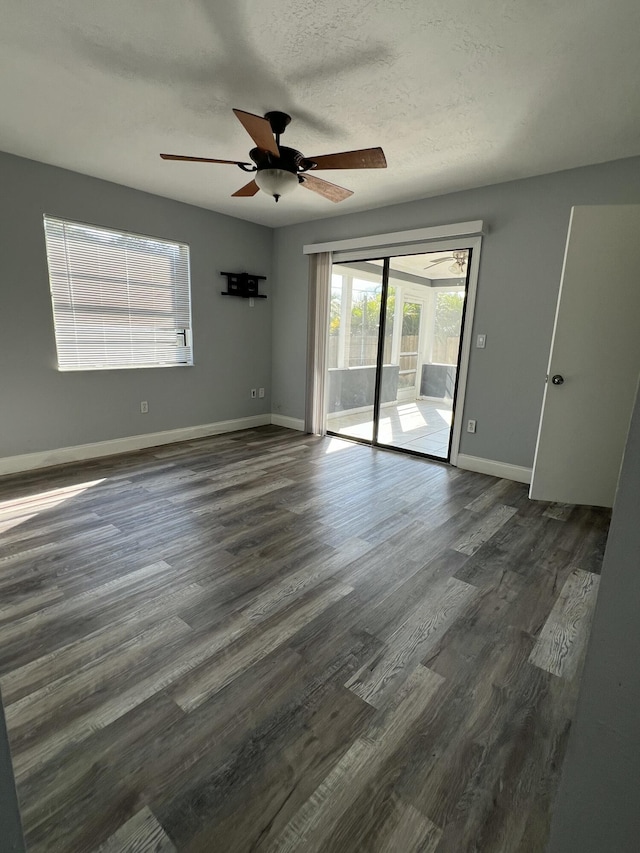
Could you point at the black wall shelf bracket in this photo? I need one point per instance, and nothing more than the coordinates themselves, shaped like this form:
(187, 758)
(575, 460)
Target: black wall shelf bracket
(243, 284)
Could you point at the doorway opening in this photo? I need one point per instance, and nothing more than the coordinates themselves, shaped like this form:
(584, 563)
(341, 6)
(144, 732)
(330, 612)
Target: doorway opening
(395, 333)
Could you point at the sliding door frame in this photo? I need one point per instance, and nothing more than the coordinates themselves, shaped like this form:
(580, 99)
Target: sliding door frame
(380, 352)
(466, 235)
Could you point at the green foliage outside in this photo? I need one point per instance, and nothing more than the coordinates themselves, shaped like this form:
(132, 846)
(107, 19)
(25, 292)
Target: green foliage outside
(448, 315)
(365, 312)
(365, 315)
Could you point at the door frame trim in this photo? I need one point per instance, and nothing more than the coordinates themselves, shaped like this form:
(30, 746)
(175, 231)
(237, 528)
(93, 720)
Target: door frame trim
(417, 235)
(475, 244)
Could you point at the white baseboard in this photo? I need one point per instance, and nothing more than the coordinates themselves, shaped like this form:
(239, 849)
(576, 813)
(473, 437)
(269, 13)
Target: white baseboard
(285, 421)
(45, 458)
(496, 469)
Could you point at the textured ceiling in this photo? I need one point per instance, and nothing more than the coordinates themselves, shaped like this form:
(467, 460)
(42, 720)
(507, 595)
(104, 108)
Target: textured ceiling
(459, 93)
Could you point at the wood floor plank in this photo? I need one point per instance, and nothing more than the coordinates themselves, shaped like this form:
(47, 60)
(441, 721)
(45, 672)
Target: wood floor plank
(178, 624)
(378, 819)
(33, 504)
(205, 681)
(187, 657)
(491, 523)
(40, 527)
(77, 801)
(560, 512)
(229, 498)
(508, 550)
(283, 592)
(409, 831)
(512, 808)
(314, 823)
(393, 606)
(590, 528)
(72, 695)
(480, 709)
(141, 834)
(411, 642)
(29, 602)
(17, 558)
(462, 648)
(273, 786)
(489, 497)
(199, 492)
(562, 641)
(28, 637)
(31, 676)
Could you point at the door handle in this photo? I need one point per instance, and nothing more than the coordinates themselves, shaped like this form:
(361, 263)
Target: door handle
(557, 379)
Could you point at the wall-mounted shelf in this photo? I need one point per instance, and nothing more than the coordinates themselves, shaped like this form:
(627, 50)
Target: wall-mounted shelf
(243, 284)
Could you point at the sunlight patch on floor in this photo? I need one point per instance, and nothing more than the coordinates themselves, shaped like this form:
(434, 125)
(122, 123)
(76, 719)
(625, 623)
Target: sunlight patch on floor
(19, 510)
(336, 444)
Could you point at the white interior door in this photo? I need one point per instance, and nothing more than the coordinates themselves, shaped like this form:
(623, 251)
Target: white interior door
(595, 360)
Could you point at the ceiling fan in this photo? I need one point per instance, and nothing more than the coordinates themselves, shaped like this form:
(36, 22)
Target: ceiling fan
(279, 169)
(459, 262)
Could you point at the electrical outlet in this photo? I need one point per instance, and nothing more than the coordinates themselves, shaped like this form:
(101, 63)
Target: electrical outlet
(254, 394)
(260, 392)
(471, 425)
(481, 341)
(144, 407)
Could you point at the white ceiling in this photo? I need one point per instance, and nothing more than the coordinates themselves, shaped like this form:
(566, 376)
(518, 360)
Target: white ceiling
(459, 93)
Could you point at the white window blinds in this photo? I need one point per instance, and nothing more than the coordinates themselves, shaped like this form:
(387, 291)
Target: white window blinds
(119, 300)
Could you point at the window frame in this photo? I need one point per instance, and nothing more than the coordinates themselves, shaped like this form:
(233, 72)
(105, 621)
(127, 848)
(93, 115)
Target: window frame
(138, 282)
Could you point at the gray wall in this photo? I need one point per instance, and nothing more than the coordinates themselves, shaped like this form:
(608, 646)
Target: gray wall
(517, 292)
(598, 804)
(41, 408)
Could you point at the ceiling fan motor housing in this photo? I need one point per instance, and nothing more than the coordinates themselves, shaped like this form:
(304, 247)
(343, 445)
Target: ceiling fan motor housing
(289, 160)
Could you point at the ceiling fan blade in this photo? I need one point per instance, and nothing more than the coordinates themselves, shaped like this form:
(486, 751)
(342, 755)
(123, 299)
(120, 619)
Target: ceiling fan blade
(259, 130)
(441, 261)
(203, 160)
(331, 191)
(365, 158)
(247, 190)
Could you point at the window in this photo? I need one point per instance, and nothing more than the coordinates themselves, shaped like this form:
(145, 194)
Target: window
(119, 300)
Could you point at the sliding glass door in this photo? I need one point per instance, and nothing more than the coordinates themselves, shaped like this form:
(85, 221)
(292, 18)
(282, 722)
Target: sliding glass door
(395, 333)
(354, 327)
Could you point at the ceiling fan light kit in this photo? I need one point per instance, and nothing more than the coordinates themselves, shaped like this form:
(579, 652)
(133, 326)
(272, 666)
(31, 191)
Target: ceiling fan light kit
(276, 182)
(279, 170)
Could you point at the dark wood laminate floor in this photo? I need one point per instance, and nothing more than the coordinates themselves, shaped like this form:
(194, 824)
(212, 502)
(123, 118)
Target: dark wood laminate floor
(266, 641)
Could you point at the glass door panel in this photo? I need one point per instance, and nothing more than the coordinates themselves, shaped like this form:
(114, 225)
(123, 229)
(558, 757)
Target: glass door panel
(427, 320)
(354, 325)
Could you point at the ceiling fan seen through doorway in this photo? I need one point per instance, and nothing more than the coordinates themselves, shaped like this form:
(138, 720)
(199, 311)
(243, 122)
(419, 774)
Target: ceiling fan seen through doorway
(279, 170)
(458, 267)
